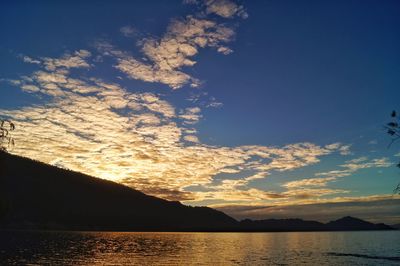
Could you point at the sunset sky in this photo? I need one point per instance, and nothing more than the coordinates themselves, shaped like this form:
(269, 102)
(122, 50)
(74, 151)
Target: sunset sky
(259, 108)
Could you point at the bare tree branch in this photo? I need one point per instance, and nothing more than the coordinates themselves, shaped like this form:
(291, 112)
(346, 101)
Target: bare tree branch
(393, 130)
(6, 140)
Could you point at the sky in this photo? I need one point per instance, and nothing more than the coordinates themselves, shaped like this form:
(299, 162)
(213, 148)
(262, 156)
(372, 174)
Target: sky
(262, 109)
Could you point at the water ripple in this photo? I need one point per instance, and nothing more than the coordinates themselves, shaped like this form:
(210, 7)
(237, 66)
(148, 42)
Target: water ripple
(363, 256)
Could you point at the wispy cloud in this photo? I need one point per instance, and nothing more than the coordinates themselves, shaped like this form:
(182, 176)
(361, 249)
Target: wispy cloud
(310, 182)
(375, 208)
(28, 59)
(225, 8)
(316, 187)
(347, 169)
(352, 166)
(202, 98)
(191, 115)
(128, 31)
(76, 60)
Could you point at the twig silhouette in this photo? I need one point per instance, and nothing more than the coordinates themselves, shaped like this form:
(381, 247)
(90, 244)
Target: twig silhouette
(393, 130)
(6, 140)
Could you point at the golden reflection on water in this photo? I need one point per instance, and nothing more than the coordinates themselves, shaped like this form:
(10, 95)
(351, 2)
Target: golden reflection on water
(118, 248)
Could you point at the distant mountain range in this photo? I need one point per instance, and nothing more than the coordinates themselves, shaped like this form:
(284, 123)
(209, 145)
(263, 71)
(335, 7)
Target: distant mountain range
(347, 223)
(35, 195)
(396, 226)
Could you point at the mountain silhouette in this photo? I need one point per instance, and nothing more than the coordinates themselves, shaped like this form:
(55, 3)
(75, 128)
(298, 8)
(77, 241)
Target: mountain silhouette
(344, 224)
(281, 225)
(397, 226)
(37, 195)
(34, 195)
(349, 223)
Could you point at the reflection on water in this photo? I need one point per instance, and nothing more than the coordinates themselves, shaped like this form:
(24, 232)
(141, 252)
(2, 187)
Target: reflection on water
(110, 248)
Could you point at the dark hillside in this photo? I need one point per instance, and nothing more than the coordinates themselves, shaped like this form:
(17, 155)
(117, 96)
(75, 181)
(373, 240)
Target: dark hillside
(36, 195)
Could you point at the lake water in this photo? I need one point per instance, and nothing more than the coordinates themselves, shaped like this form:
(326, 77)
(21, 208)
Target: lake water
(111, 248)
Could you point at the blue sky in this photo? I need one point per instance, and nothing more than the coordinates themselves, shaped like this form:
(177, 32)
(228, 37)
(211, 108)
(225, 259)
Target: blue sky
(216, 103)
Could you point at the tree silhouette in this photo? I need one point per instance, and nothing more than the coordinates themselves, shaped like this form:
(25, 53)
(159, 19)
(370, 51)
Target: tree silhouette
(6, 139)
(393, 130)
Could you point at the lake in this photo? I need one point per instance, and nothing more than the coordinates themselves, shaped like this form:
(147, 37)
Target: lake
(120, 248)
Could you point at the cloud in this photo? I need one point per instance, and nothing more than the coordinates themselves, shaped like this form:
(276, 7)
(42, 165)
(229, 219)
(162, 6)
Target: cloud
(375, 208)
(28, 59)
(174, 51)
(224, 50)
(190, 2)
(344, 149)
(202, 98)
(138, 70)
(191, 115)
(304, 193)
(75, 60)
(128, 31)
(234, 191)
(316, 187)
(358, 160)
(182, 41)
(165, 58)
(352, 166)
(238, 190)
(225, 8)
(191, 138)
(30, 88)
(102, 129)
(310, 182)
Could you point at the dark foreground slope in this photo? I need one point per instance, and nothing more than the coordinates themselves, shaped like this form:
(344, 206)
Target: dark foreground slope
(36, 195)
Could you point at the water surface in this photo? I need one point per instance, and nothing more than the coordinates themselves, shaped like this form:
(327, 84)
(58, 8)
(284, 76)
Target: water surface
(118, 248)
